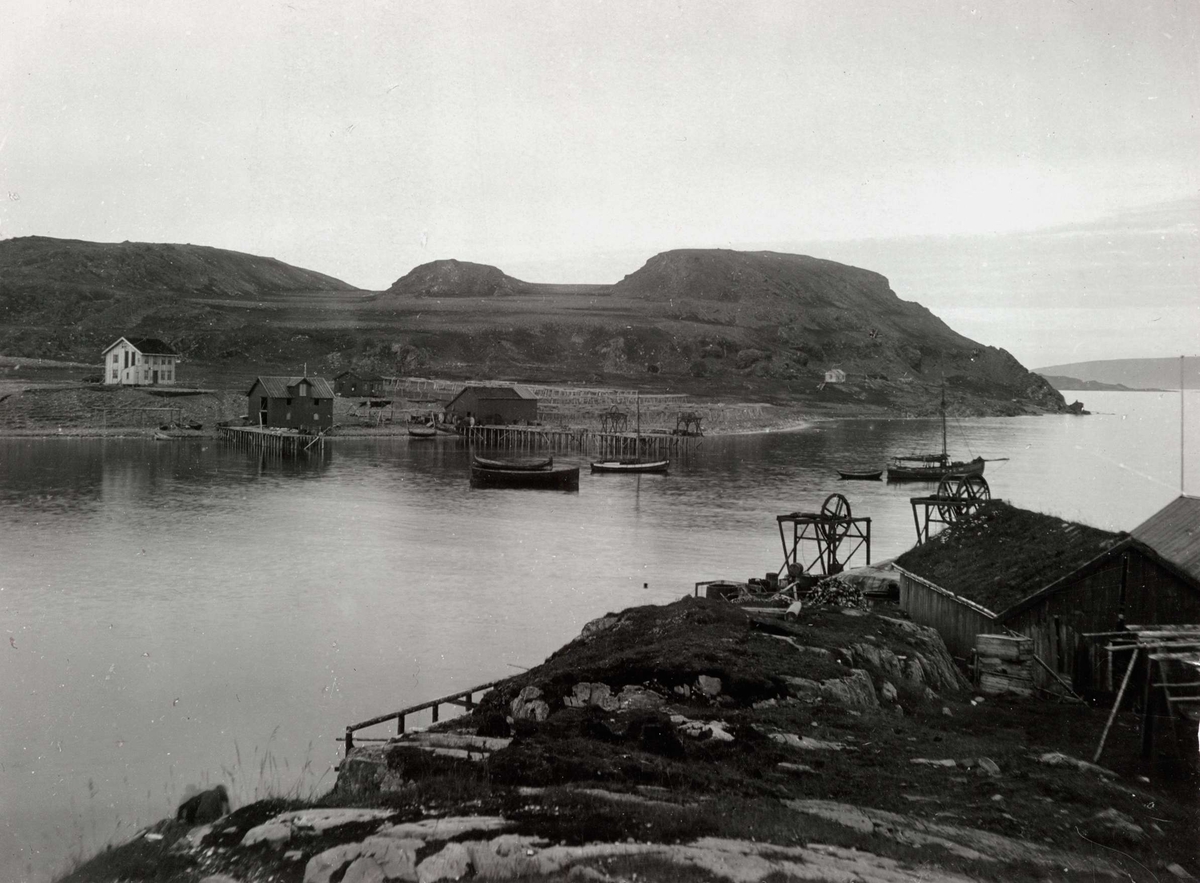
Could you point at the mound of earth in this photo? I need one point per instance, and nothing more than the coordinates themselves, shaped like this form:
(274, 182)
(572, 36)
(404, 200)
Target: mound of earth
(453, 278)
(700, 742)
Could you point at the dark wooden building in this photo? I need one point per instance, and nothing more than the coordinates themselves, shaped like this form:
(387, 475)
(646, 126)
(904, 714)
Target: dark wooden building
(1011, 571)
(303, 403)
(356, 383)
(494, 405)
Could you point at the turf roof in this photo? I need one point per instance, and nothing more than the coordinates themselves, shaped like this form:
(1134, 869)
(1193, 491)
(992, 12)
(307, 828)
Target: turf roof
(1004, 554)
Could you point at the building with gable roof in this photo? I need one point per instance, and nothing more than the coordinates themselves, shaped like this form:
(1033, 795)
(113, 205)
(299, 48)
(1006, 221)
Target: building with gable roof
(301, 403)
(1063, 584)
(494, 405)
(139, 361)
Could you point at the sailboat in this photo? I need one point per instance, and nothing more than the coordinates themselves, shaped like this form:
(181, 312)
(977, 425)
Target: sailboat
(933, 467)
(636, 464)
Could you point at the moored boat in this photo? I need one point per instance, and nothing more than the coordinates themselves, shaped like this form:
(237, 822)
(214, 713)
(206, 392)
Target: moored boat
(524, 464)
(420, 430)
(632, 466)
(856, 475)
(932, 467)
(562, 478)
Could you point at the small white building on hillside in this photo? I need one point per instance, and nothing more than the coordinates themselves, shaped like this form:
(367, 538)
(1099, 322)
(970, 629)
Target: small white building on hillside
(139, 361)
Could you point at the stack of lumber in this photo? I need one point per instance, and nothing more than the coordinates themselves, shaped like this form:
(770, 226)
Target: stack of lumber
(1004, 664)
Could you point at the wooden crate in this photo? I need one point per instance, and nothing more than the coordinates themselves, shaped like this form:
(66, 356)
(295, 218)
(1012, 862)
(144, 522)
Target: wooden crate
(1014, 647)
(1004, 664)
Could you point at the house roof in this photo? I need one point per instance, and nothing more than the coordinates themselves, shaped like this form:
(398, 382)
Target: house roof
(1003, 554)
(492, 393)
(1174, 533)
(360, 375)
(278, 387)
(147, 346)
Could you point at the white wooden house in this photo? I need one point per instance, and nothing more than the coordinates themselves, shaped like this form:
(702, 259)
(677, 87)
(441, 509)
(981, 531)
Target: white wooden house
(139, 361)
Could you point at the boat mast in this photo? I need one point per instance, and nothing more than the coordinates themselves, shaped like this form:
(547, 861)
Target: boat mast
(943, 410)
(637, 444)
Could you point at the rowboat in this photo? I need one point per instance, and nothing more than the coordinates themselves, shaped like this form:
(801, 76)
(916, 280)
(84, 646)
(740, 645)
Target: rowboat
(421, 431)
(523, 464)
(631, 466)
(851, 475)
(562, 478)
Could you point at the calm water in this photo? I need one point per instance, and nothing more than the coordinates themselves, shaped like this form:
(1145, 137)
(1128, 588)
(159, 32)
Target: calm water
(180, 613)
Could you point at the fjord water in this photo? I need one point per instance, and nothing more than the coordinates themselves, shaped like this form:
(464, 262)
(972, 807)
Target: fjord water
(183, 613)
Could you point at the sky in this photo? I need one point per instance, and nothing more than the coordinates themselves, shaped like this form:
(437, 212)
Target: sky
(1028, 169)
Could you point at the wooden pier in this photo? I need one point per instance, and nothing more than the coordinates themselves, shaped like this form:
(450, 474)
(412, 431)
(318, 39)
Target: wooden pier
(623, 445)
(279, 442)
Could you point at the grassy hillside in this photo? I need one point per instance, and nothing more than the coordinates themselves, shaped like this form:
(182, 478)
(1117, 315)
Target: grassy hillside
(748, 324)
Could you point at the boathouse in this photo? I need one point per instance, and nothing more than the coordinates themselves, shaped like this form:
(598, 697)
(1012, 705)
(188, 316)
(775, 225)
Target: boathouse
(301, 403)
(355, 383)
(139, 361)
(494, 405)
(1063, 584)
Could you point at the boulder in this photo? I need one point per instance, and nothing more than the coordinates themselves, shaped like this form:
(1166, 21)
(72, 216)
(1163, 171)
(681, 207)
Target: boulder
(708, 685)
(600, 624)
(1113, 828)
(529, 705)
(634, 698)
(803, 688)
(322, 866)
(881, 659)
(854, 691)
(888, 692)
(364, 869)
(453, 862)
(585, 694)
(989, 766)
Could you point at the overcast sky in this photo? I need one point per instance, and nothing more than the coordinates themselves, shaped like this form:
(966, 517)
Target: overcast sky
(1028, 170)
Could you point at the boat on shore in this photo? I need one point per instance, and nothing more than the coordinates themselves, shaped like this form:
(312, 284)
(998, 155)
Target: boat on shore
(632, 466)
(420, 430)
(933, 467)
(855, 475)
(523, 464)
(560, 478)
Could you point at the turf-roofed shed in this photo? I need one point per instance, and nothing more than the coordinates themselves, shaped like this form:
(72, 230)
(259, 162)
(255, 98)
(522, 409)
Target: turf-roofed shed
(1063, 584)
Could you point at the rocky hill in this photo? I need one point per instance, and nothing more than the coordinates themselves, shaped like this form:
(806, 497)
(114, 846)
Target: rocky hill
(39, 263)
(65, 297)
(700, 741)
(453, 278)
(724, 323)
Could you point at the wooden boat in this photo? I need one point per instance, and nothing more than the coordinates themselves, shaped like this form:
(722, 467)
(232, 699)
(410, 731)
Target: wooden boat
(932, 467)
(420, 430)
(523, 464)
(561, 478)
(446, 428)
(852, 475)
(635, 465)
(631, 466)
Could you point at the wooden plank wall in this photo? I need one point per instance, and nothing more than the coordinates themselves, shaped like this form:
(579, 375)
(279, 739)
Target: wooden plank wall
(1092, 604)
(956, 623)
